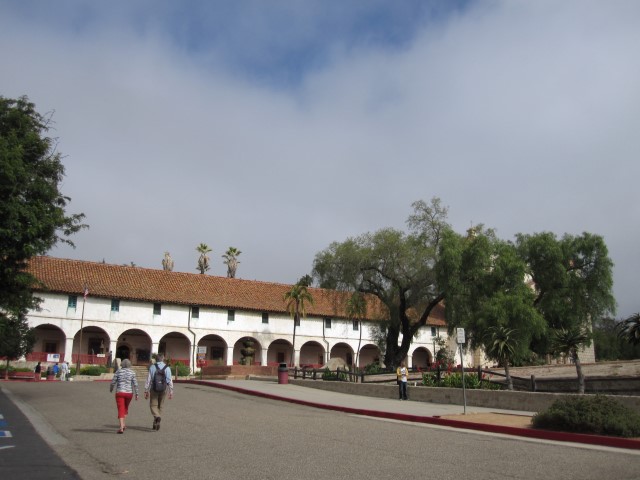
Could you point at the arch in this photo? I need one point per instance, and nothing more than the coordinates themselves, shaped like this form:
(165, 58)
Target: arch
(134, 344)
(50, 340)
(216, 349)
(176, 347)
(247, 351)
(422, 358)
(279, 351)
(369, 354)
(90, 346)
(312, 354)
(344, 351)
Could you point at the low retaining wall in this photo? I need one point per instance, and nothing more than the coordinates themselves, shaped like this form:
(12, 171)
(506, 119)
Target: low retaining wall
(219, 371)
(500, 399)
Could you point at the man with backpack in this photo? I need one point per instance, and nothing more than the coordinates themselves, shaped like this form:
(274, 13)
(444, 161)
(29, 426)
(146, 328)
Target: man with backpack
(157, 386)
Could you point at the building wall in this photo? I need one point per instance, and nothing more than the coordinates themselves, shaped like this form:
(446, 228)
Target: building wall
(136, 327)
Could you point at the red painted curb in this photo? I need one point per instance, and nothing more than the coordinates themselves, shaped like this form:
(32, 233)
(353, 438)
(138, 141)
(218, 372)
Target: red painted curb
(617, 442)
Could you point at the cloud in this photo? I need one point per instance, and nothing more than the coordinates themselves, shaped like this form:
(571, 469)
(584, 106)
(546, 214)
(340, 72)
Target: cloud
(278, 131)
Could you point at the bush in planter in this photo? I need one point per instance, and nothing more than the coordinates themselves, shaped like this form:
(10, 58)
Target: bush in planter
(181, 369)
(595, 414)
(93, 370)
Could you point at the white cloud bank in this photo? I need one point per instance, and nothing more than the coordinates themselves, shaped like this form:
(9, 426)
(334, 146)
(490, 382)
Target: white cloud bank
(519, 115)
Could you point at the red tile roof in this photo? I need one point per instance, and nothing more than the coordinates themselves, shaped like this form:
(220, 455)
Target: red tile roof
(158, 286)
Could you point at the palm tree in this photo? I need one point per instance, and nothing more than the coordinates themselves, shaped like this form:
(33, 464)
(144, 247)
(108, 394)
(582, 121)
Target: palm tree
(356, 310)
(629, 329)
(231, 261)
(167, 262)
(203, 260)
(296, 299)
(500, 345)
(569, 342)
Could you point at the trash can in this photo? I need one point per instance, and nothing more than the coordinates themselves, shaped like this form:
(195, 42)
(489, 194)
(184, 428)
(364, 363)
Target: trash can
(283, 374)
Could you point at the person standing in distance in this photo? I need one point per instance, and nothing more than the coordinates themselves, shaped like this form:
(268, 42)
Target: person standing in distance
(157, 387)
(401, 374)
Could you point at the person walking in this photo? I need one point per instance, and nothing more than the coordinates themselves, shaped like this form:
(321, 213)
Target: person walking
(401, 374)
(64, 371)
(126, 385)
(158, 386)
(56, 369)
(38, 372)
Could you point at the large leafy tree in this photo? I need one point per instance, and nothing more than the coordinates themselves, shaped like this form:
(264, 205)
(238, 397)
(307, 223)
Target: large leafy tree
(573, 279)
(33, 214)
(296, 301)
(486, 290)
(397, 267)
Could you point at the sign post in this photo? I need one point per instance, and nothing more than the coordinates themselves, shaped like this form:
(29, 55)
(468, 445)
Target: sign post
(461, 340)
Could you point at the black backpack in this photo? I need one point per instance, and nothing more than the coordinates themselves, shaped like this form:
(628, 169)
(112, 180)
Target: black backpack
(160, 379)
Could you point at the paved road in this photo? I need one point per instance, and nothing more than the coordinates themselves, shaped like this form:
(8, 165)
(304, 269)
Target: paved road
(209, 433)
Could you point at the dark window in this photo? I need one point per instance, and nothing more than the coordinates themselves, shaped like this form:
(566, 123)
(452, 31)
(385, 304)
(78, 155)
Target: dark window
(157, 309)
(115, 305)
(297, 322)
(195, 312)
(265, 317)
(327, 323)
(433, 331)
(356, 325)
(231, 315)
(73, 301)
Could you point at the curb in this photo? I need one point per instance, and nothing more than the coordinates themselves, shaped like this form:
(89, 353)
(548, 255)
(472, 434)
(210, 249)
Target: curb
(600, 440)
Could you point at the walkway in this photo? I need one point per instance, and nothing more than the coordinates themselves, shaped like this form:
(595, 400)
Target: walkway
(492, 420)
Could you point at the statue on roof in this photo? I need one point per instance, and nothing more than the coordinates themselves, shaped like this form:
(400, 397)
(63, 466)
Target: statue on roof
(167, 262)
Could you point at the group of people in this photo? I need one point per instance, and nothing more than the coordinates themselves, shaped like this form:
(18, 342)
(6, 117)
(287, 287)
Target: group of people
(61, 368)
(157, 387)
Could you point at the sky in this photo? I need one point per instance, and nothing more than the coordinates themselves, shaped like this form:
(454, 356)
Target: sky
(278, 127)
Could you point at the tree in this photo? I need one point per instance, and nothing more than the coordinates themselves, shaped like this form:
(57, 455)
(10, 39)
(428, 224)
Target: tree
(356, 311)
(569, 341)
(231, 261)
(203, 259)
(501, 345)
(629, 329)
(572, 278)
(296, 299)
(484, 281)
(16, 338)
(167, 262)
(32, 212)
(396, 267)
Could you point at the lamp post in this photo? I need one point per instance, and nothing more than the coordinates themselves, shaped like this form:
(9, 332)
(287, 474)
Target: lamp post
(85, 292)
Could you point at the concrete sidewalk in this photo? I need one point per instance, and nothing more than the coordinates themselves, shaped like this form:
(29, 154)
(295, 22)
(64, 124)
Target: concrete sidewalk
(409, 411)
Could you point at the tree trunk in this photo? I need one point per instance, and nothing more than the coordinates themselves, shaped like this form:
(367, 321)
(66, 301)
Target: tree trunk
(6, 370)
(508, 376)
(576, 360)
(293, 348)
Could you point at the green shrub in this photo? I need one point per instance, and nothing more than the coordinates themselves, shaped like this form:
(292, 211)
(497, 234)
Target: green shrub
(372, 368)
(595, 414)
(181, 369)
(93, 370)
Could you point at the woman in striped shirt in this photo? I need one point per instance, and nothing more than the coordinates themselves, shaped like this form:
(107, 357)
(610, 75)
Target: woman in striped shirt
(126, 384)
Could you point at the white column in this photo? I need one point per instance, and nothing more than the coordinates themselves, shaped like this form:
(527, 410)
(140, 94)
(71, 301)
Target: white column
(230, 355)
(296, 358)
(409, 361)
(68, 350)
(263, 356)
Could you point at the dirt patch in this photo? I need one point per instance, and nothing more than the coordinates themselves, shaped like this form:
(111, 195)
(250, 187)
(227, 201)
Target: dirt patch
(502, 419)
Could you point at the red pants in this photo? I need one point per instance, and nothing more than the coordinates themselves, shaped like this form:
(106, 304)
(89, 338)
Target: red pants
(123, 400)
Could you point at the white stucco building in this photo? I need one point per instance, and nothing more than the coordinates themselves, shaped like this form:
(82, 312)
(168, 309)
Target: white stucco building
(133, 312)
